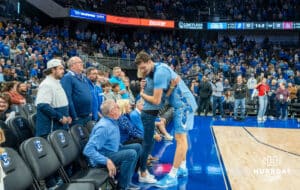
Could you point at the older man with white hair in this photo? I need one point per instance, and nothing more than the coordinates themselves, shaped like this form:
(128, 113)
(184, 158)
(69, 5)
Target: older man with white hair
(77, 89)
(104, 148)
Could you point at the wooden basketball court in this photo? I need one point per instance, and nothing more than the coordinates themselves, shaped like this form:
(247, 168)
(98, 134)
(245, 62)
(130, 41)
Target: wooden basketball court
(260, 158)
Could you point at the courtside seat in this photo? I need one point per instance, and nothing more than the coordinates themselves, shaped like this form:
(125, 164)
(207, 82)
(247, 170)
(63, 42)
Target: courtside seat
(10, 137)
(27, 109)
(21, 128)
(44, 163)
(18, 174)
(17, 109)
(68, 152)
(90, 125)
(31, 120)
(80, 135)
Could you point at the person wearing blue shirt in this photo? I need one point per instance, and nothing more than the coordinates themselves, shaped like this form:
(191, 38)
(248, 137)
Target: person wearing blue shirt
(76, 87)
(104, 148)
(129, 133)
(183, 102)
(20, 73)
(47, 56)
(148, 116)
(37, 28)
(135, 116)
(96, 92)
(1, 75)
(6, 51)
(116, 78)
(1, 46)
(34, 71)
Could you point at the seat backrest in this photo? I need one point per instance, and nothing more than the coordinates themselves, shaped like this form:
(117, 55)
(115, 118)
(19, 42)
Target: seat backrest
(18, 175)
(64, 146)
(27, 110)
(90, 125)
(31, 120)
(21, 128)
(40, 156)
(10, 137)
(16, 108)
(80, 135)
(295, 106)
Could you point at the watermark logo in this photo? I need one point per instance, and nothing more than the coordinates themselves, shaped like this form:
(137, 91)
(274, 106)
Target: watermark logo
(272, 168)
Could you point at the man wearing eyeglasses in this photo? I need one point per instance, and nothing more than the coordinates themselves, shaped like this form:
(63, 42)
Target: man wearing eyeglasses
(76, 87)
(104, 148)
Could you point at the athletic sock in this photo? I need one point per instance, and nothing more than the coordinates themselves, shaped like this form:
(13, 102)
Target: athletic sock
(183, 164)
(173, 172)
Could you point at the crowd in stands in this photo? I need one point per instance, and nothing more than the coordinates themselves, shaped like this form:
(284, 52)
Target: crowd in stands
(223, 75)
(255, 10)
(25, 49)
(75, 98)
(197, 10)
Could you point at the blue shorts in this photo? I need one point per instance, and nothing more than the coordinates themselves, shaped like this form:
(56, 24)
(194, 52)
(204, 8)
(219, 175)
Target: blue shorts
(183, 120)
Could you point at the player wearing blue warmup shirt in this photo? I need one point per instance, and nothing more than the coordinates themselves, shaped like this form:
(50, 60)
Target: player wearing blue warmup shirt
(162, 83)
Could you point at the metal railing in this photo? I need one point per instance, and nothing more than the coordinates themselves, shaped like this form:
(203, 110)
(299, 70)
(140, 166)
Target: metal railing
(111, 62)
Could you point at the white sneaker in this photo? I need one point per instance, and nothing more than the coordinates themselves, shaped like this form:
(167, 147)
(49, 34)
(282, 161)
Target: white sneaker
(147, 173)
(147, 179)
(168, 137)
(259, 119)
(265, 118)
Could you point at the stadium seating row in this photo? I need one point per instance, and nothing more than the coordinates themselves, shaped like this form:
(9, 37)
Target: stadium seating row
(41, 159)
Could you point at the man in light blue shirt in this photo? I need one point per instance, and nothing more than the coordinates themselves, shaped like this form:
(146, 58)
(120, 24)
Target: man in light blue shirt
(104, 148)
